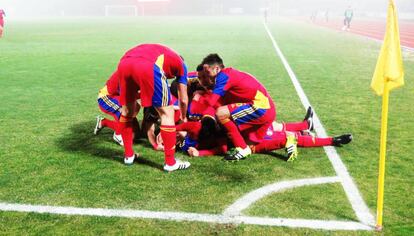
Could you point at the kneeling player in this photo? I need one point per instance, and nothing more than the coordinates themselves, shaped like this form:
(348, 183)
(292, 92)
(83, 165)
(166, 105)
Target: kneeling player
(108, 102)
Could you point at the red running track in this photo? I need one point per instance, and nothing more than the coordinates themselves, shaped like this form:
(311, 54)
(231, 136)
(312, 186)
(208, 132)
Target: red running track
(373, 28)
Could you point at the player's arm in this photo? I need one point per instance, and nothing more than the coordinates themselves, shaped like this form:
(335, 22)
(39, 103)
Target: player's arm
(182, 91)
(219, 89)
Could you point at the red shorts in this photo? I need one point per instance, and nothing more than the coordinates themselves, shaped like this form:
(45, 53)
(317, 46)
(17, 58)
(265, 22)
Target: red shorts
(138, 74)
(253, 122)
(110, 105)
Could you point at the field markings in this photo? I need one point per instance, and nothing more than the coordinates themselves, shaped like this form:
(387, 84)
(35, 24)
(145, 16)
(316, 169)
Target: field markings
(361, 209)
(233, 214)
(247, 200)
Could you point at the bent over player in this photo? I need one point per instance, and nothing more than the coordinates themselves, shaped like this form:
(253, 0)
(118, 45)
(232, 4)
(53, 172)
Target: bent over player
(146, 68)
(241, 103)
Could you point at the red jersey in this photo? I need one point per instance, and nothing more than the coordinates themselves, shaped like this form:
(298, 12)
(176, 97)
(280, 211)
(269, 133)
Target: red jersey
(112, 84)
(237, 87)
(172, 64)
(234, 86)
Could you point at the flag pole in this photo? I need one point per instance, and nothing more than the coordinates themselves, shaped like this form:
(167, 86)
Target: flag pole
(383, 150)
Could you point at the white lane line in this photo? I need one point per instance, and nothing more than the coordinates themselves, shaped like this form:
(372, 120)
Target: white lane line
(244, 202)
(361, 210)
(182, 216)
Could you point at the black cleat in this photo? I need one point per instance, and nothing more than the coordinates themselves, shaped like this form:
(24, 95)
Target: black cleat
(343, 139)
(309, 118)
(237, 154)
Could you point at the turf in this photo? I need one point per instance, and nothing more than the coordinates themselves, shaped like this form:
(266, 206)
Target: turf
(51, 71)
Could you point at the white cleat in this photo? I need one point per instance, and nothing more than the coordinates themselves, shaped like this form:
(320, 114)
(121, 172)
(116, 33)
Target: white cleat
(130, 160)
(179, 165)
(118, 139)
(98, 126)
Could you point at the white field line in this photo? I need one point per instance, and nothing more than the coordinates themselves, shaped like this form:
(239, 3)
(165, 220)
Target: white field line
(361, 210)
(244, 202)
(181, 216)
(231, 214)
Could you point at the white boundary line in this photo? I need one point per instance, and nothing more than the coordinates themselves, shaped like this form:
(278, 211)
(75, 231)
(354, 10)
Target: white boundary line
(244, 202)
(182, 216)
(361, 210)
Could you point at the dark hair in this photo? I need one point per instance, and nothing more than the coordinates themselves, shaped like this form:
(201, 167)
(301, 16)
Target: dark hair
(212, 59)
(174, 88)
(208, 128)
(199, 68)
(150, 114)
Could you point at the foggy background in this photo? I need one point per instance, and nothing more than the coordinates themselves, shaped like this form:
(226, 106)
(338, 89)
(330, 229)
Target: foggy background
(68, 8)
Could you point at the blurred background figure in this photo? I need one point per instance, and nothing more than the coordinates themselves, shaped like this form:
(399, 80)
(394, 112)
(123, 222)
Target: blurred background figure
(313, 15)
(327, 15)
(349, 13)
(2, 14)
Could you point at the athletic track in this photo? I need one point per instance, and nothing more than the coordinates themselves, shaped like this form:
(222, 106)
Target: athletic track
(373, 28)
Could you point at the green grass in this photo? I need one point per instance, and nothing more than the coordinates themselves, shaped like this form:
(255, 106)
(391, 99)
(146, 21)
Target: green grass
(51, 71)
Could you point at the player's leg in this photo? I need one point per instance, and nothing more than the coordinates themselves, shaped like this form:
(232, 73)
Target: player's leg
(161, 101)
(306, 124)
(168, 134)
(109, 105)
(224, 116)
(128, 91)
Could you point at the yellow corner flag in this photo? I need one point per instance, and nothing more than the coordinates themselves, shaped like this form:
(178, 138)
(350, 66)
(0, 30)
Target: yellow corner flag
(389, 67)
(389, 74)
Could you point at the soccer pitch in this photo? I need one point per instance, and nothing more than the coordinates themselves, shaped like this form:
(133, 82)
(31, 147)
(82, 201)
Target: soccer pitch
(51, 71)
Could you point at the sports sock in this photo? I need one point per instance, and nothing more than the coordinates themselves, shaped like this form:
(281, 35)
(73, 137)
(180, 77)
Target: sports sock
(309, 141)
(278, 141)
(234, 133)
(126, 130)
(169, 139)
(295, 126)
(109, 123)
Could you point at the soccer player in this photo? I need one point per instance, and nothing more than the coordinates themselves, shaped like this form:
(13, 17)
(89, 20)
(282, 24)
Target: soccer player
(244, 103)
(205, 140)
(108, 102)
(2, 14)
(146, 68)
(349, 13)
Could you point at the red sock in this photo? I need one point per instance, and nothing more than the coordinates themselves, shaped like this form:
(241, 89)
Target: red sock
(109, 123)
(309, 141)
(126, 130)
(234, 134)
(169, 138)
(278, 141)
(296, 126)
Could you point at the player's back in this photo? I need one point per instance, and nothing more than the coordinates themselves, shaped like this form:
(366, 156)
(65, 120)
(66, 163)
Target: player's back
(150, 52)
(241, 86)
(172, 64)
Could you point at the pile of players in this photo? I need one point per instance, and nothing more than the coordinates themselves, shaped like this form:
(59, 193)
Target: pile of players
(215, 110)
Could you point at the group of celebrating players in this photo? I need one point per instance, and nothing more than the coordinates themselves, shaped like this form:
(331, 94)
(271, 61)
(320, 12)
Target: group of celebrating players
(214, 110)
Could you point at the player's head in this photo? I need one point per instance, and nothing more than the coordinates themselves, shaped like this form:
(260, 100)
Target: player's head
(209, 68)
(208, 128)
(212, 63)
